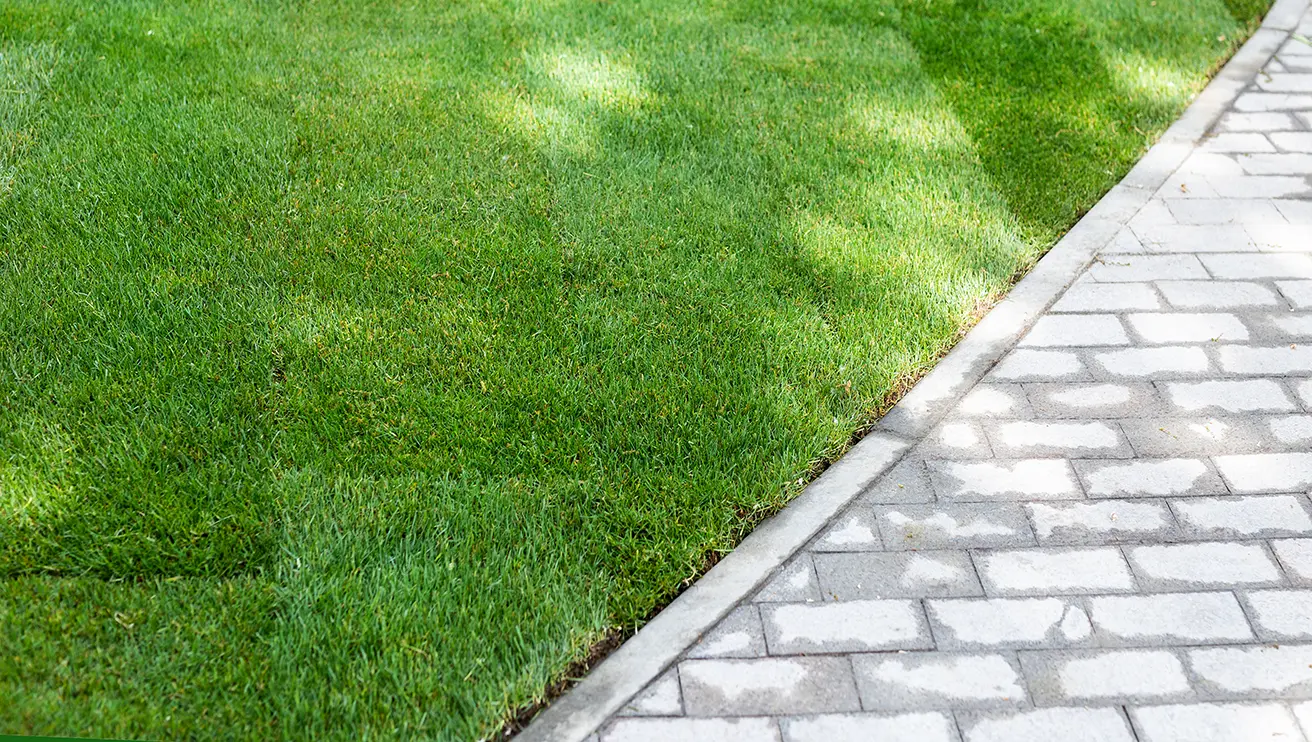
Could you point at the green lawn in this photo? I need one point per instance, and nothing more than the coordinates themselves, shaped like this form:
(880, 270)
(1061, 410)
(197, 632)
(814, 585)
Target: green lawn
(363, 361)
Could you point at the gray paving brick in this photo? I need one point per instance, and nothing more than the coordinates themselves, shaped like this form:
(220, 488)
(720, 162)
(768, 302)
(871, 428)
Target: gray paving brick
(1234, 396)
(661, 698)
(1135, 268)
(1294, 236)
(1244, 266)
(1068, 677)
(1286, 325)
(738, 635)
(1210, 164)
(1280, 360)
(1214, 722)
(1298, 212)
(1295, 555)
(1169, 618)
(908, 482)
(1281, 615)
(1087, 400)
(1250, 102)
(1283, 671)
(953, 526)
(994, 400)
(771, 685)
(793, 582)
(692, 730)
(1198, 436)
(1236, 142)
(1299, 293)
(1243, 517)
(1054, 572)
(1269, 472)
(1154, 363)
(1274, 65)
(1188, 237)
(1008, 623)
(956, 439)
(1154, 213)
(1193, 185)
(1224, 211)
(1285, 83)
(1035, 438)
(1108, 297)
(1264, 186)
(1064, 330)
(1256, 122)
(847, 626)
(1303, 388)
(1293, 141)
(1208, 183)
(854, 530)
(930, 680)
(1277, 164)
(1025, 364)
(1291, 237)
(1280, 237)
(896, 575)
(1107, 521)
(1125, 241)
(1181, 327)
(1303, 711)
(1218, 294)
(1148, 478)
(1047, 725)
(1291, 429)
(1283, 327)
(915, 727)
(1026, 479)
(1205, 565)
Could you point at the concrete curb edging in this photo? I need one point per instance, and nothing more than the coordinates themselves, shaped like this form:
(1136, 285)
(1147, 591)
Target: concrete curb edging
(667, 636)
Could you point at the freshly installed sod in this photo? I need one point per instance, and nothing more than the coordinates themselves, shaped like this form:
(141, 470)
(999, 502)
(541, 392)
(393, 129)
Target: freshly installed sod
(362, 363)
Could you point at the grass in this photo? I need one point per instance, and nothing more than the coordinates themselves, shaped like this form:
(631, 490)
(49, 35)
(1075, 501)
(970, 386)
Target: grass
(361, 363)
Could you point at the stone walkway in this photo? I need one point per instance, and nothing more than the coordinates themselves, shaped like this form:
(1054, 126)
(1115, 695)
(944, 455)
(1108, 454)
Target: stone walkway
(1109, 538)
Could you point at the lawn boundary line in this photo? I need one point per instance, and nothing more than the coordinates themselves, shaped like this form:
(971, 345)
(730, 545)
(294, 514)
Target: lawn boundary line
(654, 648)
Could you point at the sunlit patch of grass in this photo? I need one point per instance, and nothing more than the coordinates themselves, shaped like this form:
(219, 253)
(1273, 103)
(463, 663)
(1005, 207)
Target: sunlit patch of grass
(31, 488)
(591, 77)
(25, 74)
(1143, 75)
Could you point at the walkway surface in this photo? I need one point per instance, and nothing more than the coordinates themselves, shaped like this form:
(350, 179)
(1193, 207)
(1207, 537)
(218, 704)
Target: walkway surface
(1109, 539)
